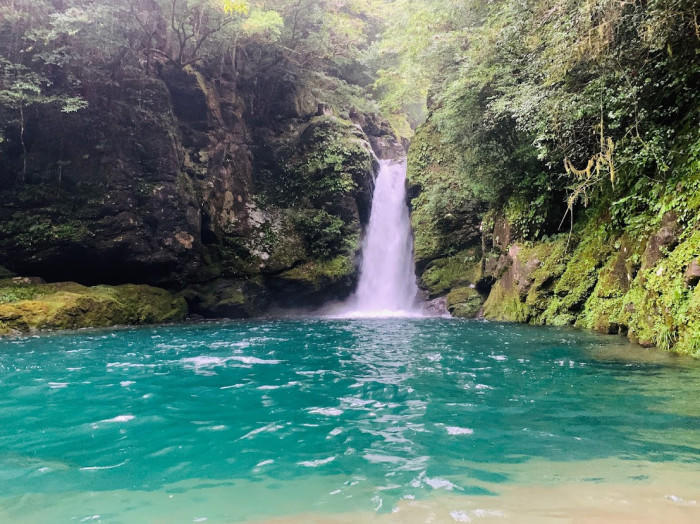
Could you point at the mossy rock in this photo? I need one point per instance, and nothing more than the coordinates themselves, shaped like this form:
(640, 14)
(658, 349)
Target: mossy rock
(578, 280)
(27, 305)
(603, 309)
(464, 302)
(319, 273)
(552, 257)
(445, 274)
(227, 298)
(504, 303)
(525, 287)
(662, 308)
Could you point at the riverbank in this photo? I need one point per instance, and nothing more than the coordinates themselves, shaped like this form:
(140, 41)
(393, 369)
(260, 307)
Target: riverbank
(616, 269)
(30, 304)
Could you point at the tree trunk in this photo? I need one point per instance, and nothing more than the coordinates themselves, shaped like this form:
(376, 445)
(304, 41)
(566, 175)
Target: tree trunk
(23, 176)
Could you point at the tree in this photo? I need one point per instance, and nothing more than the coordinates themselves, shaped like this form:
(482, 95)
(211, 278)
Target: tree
(22, 89)
(194, 23)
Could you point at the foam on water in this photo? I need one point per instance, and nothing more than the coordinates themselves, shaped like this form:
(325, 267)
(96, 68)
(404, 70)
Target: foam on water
(387, 286)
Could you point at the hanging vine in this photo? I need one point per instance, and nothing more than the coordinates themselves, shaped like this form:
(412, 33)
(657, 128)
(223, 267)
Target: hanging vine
(585, 180)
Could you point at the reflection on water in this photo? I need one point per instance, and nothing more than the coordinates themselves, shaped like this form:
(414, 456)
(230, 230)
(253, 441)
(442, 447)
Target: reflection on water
(348, 420)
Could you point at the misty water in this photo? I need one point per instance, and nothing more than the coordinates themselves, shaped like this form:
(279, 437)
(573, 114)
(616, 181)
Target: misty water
(387, 284)
(404, 420)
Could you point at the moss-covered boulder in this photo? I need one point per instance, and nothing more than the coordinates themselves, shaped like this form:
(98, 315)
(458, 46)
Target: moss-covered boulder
(28, 304)
(445, 274)
(315, 282)
(504, 303)
(524, 289)
(227, 298)
(464, 302)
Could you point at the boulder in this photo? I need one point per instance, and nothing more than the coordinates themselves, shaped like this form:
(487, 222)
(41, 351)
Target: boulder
(29, 305)
(692, 273)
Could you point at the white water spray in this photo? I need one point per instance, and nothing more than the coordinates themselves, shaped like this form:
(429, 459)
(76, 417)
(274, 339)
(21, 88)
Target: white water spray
(387, 285)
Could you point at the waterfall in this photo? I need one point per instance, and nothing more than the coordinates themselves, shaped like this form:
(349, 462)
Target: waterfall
(387, 285)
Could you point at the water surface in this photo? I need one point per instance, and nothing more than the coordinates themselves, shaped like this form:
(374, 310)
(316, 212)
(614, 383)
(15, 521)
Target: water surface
(405, 420)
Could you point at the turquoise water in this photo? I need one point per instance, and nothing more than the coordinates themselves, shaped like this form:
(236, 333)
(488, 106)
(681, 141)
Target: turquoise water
(253, 420)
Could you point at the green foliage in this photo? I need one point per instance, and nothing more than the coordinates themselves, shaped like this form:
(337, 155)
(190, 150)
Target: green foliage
(33, 231)
(661, 308)
(264, 24)
(20, 89)
(524, 95)
(10, 291)
(322, 232)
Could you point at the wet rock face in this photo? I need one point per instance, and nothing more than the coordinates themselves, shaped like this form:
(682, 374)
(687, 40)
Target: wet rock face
(437, 306)
(189, 179)
(666, 238)
(227, 298)
(103, 200)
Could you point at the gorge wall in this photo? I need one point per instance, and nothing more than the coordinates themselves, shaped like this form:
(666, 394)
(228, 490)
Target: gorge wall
(240, 191)
(638, 279)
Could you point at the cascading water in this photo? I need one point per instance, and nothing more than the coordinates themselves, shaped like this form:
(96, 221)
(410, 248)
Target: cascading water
(387, 285)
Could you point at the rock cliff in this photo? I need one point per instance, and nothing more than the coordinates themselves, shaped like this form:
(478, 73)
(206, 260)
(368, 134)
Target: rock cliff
(638, 278)
(241, 191)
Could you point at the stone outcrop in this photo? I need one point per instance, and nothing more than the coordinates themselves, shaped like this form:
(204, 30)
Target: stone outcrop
(30, 304)
(639, 283)
(242, 191)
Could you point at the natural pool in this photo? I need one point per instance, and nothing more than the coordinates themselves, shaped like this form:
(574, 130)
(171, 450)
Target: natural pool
(400, 420)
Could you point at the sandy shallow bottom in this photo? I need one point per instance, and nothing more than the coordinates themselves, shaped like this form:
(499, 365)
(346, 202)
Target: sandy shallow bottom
(600, 491)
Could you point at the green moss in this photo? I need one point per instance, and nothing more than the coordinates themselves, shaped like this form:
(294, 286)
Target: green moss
(317, 273)
(525, 216)
(447, 273)
(553, 257)
(526, 288)
(464, 302)
(578, 280)
(29, 306)
(602, 311)
(661, 308)
(144, 304)
(504, 303)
